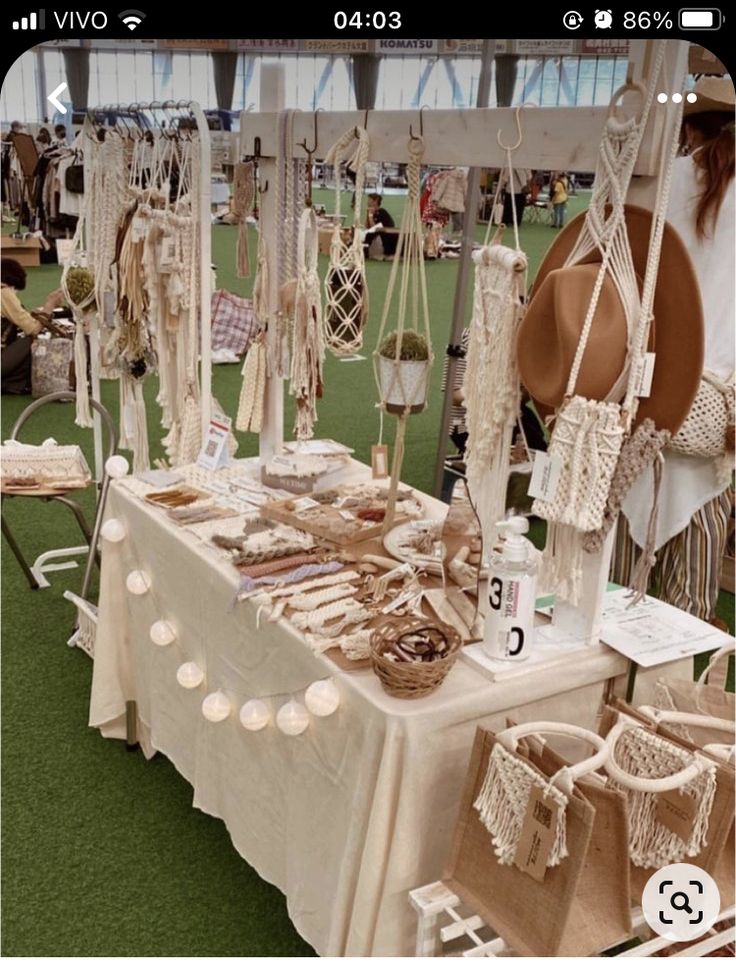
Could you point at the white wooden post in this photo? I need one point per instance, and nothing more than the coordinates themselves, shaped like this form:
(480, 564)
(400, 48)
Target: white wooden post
(273, 97)
(205, 270)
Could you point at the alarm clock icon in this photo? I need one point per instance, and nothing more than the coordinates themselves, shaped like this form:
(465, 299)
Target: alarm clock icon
(603, 19)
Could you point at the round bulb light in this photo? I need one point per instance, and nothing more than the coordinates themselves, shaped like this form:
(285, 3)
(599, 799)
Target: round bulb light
(162, 633)
(117, 466)
(292, 719)
(138, 583)
(189, 675)
(113, 530)
(216, 707)
(255, 715)
(322, 698)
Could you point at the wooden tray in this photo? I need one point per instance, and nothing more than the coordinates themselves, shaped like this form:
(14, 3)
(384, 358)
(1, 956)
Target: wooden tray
(331, 527)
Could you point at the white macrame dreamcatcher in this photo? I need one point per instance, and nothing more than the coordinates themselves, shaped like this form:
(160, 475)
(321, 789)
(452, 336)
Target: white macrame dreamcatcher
(346, 290)
(307, 351)
(402, 385)
(491, 386)
(588, 434)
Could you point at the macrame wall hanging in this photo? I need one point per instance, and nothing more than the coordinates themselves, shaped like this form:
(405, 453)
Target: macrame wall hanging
(143, 233)
(307, 351)
(588, 435)
(491, 385)
(346, 290)
(403, 358)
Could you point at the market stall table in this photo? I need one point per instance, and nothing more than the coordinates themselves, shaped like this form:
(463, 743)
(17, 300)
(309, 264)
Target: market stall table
(350, 815)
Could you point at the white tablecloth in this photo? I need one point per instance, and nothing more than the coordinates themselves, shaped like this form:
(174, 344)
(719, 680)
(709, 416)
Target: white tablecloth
(347, 817)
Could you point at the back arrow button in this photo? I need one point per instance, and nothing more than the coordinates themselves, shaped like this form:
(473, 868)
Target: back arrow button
(53, 97)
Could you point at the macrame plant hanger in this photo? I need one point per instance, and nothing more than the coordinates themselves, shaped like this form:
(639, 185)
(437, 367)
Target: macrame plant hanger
(492, 388)
(402, 385)
(346, 290)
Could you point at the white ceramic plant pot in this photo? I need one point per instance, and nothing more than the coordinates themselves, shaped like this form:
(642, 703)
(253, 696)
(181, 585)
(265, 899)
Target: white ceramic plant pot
(403, 384)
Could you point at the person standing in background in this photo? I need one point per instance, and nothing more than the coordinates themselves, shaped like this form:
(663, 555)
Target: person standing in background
(520, 190)
(696, 498)
(558, 187)
(378, 220)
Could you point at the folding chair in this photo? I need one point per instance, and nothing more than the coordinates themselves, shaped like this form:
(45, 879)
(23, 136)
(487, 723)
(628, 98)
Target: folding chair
(35, 574)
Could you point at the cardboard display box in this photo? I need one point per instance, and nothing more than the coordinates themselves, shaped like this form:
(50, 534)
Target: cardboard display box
(25, 251)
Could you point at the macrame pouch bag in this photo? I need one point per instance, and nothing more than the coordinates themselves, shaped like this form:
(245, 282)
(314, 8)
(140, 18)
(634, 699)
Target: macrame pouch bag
(581, 904)
(704, 430)
(49, 465)
(658, 835)
(586, 440)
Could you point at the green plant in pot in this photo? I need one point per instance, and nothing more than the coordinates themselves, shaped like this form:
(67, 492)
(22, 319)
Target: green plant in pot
(403, 371)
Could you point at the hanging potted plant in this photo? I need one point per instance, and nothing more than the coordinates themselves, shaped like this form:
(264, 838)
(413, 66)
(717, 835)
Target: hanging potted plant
(403, 371)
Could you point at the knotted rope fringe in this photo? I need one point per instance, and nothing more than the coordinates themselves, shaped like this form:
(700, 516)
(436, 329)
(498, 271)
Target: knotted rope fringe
(491, 386)
(346, 291)
(502, 803)
(307, 350)
(252, 388)
(652, 845)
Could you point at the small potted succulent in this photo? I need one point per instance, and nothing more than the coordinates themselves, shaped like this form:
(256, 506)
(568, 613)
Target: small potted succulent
(403, 371)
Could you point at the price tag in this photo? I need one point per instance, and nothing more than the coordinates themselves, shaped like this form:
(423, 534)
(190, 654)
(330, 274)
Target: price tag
(537, 834)
(647, 373)
(137, 229)
(379, 461)
(214, 453)
(167, 254)
(305, 503)
(676, 810)
(545, 476)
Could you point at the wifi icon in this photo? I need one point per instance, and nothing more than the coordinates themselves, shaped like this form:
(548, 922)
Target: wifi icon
(132, 18)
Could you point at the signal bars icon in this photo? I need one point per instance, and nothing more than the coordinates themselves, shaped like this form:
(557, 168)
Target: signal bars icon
(132, 18)
(34, 21)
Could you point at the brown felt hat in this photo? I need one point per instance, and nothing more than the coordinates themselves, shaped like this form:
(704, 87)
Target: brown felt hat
(549, 332)
(711, 94)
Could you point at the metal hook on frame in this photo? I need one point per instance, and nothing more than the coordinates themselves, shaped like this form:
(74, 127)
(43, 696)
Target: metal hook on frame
(310, 152)
(421, 126)
(517, 113)
(262, 189)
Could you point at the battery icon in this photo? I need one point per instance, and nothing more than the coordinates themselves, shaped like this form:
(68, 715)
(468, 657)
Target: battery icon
(700, 18)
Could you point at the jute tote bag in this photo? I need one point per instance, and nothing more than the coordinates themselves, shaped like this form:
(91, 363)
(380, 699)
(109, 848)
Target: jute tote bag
(707, 696)
(581, 905)
(709, 840)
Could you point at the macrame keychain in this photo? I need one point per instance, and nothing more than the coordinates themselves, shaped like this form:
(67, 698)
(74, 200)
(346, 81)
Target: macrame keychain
(244, 194)
(346, 290)
(403, 359)
(588, 434)
(492, 388)
(307, 352)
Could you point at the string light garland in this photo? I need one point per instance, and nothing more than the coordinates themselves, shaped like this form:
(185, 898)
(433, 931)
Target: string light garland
(321, 697)
(117, 466)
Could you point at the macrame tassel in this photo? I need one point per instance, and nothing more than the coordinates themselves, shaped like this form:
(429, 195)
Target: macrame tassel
(502, 802)
(308, 349)
(562, 563)
(651, 844)
(243, 256)
(648, 559)
(637, 453)
(141, 458)
(398, 460)
(84, 411)
(252, 389)
(85, 634)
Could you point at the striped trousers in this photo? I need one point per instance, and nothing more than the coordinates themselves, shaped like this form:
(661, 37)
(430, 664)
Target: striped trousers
(688, 569)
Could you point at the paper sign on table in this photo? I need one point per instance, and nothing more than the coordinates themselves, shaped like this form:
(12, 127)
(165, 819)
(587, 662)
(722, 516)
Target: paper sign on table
(214, 453)
(653, 632)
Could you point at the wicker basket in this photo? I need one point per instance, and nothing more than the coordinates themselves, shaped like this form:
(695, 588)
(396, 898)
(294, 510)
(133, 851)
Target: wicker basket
(411, 680)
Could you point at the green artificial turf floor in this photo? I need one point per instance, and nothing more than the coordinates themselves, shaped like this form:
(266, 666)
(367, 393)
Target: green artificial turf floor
(102, 853)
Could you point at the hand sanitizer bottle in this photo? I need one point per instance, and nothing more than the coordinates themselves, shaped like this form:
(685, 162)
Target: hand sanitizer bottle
(512, 582)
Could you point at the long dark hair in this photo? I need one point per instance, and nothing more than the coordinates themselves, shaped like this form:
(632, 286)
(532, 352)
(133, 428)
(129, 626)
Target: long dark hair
(715, 159)
(13, 274)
